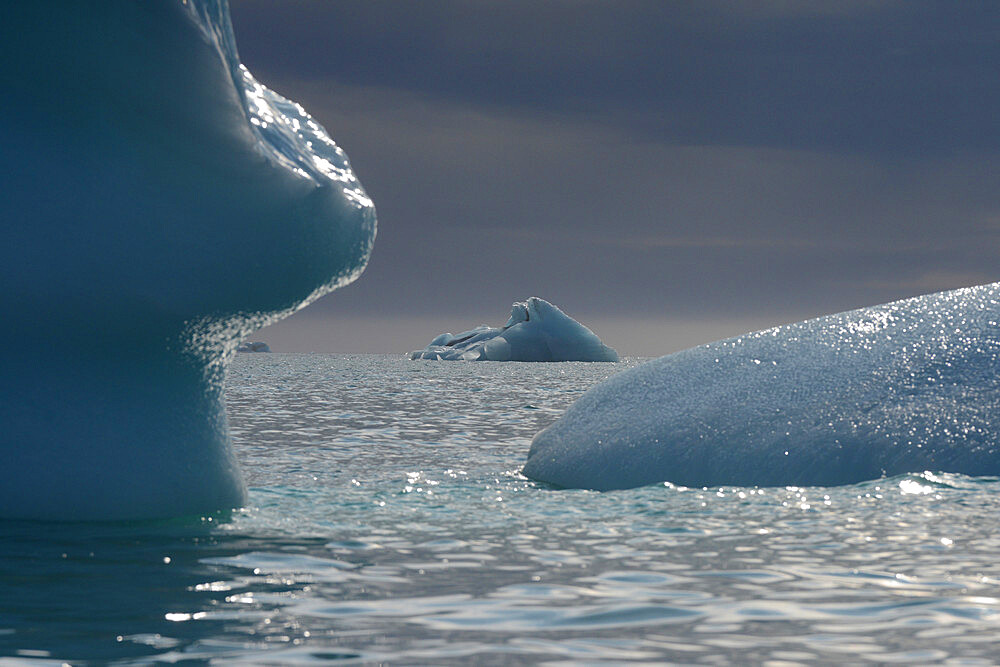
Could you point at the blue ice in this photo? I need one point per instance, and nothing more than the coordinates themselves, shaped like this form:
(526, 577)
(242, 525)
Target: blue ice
(159, 204)
(536, 331)
(903, 387)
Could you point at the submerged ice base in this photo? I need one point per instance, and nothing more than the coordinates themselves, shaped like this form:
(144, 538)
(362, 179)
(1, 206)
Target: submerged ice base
(536, 331)
(903, 387)
(159, 205)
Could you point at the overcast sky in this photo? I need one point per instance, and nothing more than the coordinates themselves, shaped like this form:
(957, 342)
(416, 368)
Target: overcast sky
(665, 172)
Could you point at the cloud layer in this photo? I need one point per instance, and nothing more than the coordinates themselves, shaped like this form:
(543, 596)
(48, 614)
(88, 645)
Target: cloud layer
(653, 160)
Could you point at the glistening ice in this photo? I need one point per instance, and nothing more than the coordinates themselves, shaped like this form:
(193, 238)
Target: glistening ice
(535, 331)
(159, 205)
(903, 387)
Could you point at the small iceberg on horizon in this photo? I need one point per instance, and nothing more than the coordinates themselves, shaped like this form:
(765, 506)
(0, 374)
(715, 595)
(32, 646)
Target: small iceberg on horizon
(254, 346)
(536, 331)
(898, 388)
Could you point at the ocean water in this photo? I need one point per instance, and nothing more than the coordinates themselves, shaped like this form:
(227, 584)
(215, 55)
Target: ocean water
(388, 523)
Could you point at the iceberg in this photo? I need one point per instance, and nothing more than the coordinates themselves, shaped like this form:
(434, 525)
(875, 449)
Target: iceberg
(891, 389)
(254, 346)
(159, 205)
(536, 331)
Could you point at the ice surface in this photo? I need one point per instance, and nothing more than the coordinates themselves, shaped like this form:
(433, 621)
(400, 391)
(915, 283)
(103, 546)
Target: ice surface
(159, 204)
(902, 387)
(536, 331)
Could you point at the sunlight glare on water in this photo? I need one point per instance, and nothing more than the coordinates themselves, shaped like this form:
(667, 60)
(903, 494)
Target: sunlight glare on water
(389, 523)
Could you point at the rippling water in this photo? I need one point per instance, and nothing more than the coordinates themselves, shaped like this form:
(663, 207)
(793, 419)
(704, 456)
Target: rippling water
(388, 523)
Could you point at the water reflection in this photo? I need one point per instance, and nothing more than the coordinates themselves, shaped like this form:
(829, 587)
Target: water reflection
(370, 543)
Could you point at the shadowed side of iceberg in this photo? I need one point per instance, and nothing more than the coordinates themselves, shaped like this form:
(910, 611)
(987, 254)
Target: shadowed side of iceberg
(535, 331)
(903, 387)
(159, 206)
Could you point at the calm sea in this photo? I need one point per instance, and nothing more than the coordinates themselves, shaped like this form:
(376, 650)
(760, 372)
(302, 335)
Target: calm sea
(388, 523)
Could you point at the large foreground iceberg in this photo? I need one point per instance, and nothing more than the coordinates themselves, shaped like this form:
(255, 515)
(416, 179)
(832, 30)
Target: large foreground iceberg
(903, 387)
(158, 205)
(536, 331)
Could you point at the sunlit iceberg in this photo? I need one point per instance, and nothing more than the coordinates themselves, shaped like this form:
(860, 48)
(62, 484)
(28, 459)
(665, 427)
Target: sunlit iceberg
(903, 387)
(159, 204)
(536, 331)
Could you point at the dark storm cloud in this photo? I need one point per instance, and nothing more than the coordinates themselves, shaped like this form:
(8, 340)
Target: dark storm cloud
(763, 161)
(865, 76)
(483, 208)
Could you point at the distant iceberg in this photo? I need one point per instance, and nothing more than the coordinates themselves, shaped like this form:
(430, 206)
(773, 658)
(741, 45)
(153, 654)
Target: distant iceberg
(254, 346)
(536, 331)
(904, 387)
(159, 205)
